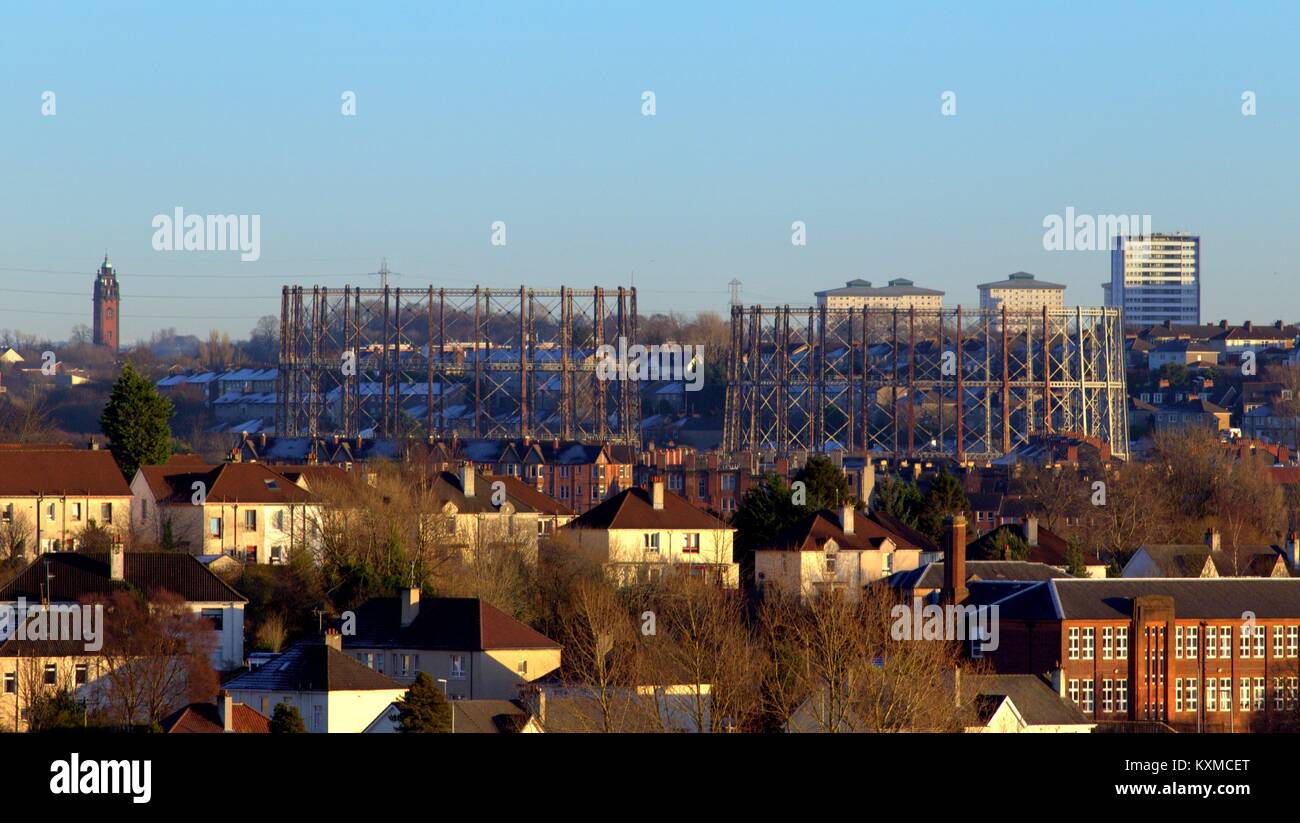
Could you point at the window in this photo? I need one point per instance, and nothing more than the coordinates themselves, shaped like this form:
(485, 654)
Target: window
(458, 666)
(1074, 692)
(1258, 703)
(692, 543)
(1192, 694)
(1178, 694)
(1225, 642)
(279, 519)
(250, 519)
(1292, 640)
(1245, 694)
(1193, 642)
(650, 541)
(1291, 684)
(1211, 642)
(214, 526)
(51, 673)
(1074, 645)
(49, 512)
(1279, 698)
(76, 511)
(830, 563)
(1107, 695)
(728, 482)
(11, 683)
(213, 616)
(1277, 641)
(1121, 646)
(1121, 695)
(1225, 694)
(7, 513)
(1178, 646)
(1245, 643)
(1089, 643)
(1107, 645)
(81, 674)
(1211, 694)
(1087, 696)
(1259, 642)
(522, 668)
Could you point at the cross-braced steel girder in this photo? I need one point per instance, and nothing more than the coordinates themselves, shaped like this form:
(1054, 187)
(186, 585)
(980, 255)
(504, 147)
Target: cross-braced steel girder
(475, 362)
(972, 385)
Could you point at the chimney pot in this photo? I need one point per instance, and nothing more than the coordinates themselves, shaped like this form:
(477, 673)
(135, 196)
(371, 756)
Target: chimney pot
(657, 493)
(333, 639)
(467, 478)
(226, 708)
(1031, 530)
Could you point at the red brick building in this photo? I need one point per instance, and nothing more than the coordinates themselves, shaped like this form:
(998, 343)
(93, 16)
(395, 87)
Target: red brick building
(1209, 654)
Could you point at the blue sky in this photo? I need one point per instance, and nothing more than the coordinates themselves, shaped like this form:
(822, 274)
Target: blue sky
(530, 113)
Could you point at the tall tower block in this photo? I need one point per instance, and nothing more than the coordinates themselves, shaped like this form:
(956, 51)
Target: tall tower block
(107, 305)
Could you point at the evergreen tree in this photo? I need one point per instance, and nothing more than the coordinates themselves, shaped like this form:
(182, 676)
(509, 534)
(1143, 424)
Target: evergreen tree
(287, 720)
(1074, 562)
(136, 423)
(424, 708)
(826, 484)
(56, 710)
(946, 497)
(900, 499)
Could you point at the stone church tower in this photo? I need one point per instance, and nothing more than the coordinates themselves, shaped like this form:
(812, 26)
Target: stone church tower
(107, 304)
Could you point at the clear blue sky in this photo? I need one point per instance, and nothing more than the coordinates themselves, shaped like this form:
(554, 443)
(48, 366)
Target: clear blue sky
(530, 113)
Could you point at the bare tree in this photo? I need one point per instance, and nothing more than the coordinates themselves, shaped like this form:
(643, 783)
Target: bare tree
(17, 535)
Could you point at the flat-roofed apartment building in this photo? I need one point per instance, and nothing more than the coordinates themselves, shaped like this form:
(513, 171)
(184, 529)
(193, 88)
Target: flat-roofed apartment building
(1021, 292)
(1209, 654)
(1156, 278)
(901, 293)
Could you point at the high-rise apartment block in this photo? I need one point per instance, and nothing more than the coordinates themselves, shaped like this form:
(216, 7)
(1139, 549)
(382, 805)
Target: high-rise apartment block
(1155, 278)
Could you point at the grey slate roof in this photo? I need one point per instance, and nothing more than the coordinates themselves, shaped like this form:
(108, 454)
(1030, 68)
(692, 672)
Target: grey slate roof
(1220, 598)
(930, 576)
(1037, 703)
(73, 575)
(312, 667)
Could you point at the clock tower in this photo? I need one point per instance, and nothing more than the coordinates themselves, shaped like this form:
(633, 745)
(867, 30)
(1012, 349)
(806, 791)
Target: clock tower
(107, 304)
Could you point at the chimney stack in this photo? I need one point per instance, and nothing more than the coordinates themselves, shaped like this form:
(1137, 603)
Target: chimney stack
(868, 484)
(954, 561)
(410, 600)
(467, 478)
(1212, 539)
(333, 639)
(657, 493)
(846, 519)
(1031, 530)
(117, 561)
(226, 708)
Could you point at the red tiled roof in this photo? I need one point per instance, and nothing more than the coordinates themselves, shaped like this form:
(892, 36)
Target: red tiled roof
(36, 471)
(634, 509)
(529, 495)
(226, 483)
(203, 718)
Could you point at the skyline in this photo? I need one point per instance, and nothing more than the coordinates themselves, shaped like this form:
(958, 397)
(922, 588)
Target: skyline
(533, 117)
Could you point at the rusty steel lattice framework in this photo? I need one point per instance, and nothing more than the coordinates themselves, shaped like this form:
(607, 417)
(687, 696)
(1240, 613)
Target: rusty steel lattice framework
(923, 382)
(477, 362)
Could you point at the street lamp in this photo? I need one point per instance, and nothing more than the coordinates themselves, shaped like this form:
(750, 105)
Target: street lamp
(450, 705)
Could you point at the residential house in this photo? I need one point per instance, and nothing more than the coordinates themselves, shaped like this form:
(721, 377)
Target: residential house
(473, 717)
(331, 691)
(1213, 559)
(640, 535)
(828, 551)
(476, 650)
(53, 494)
(1018, 703)
(245, 510)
